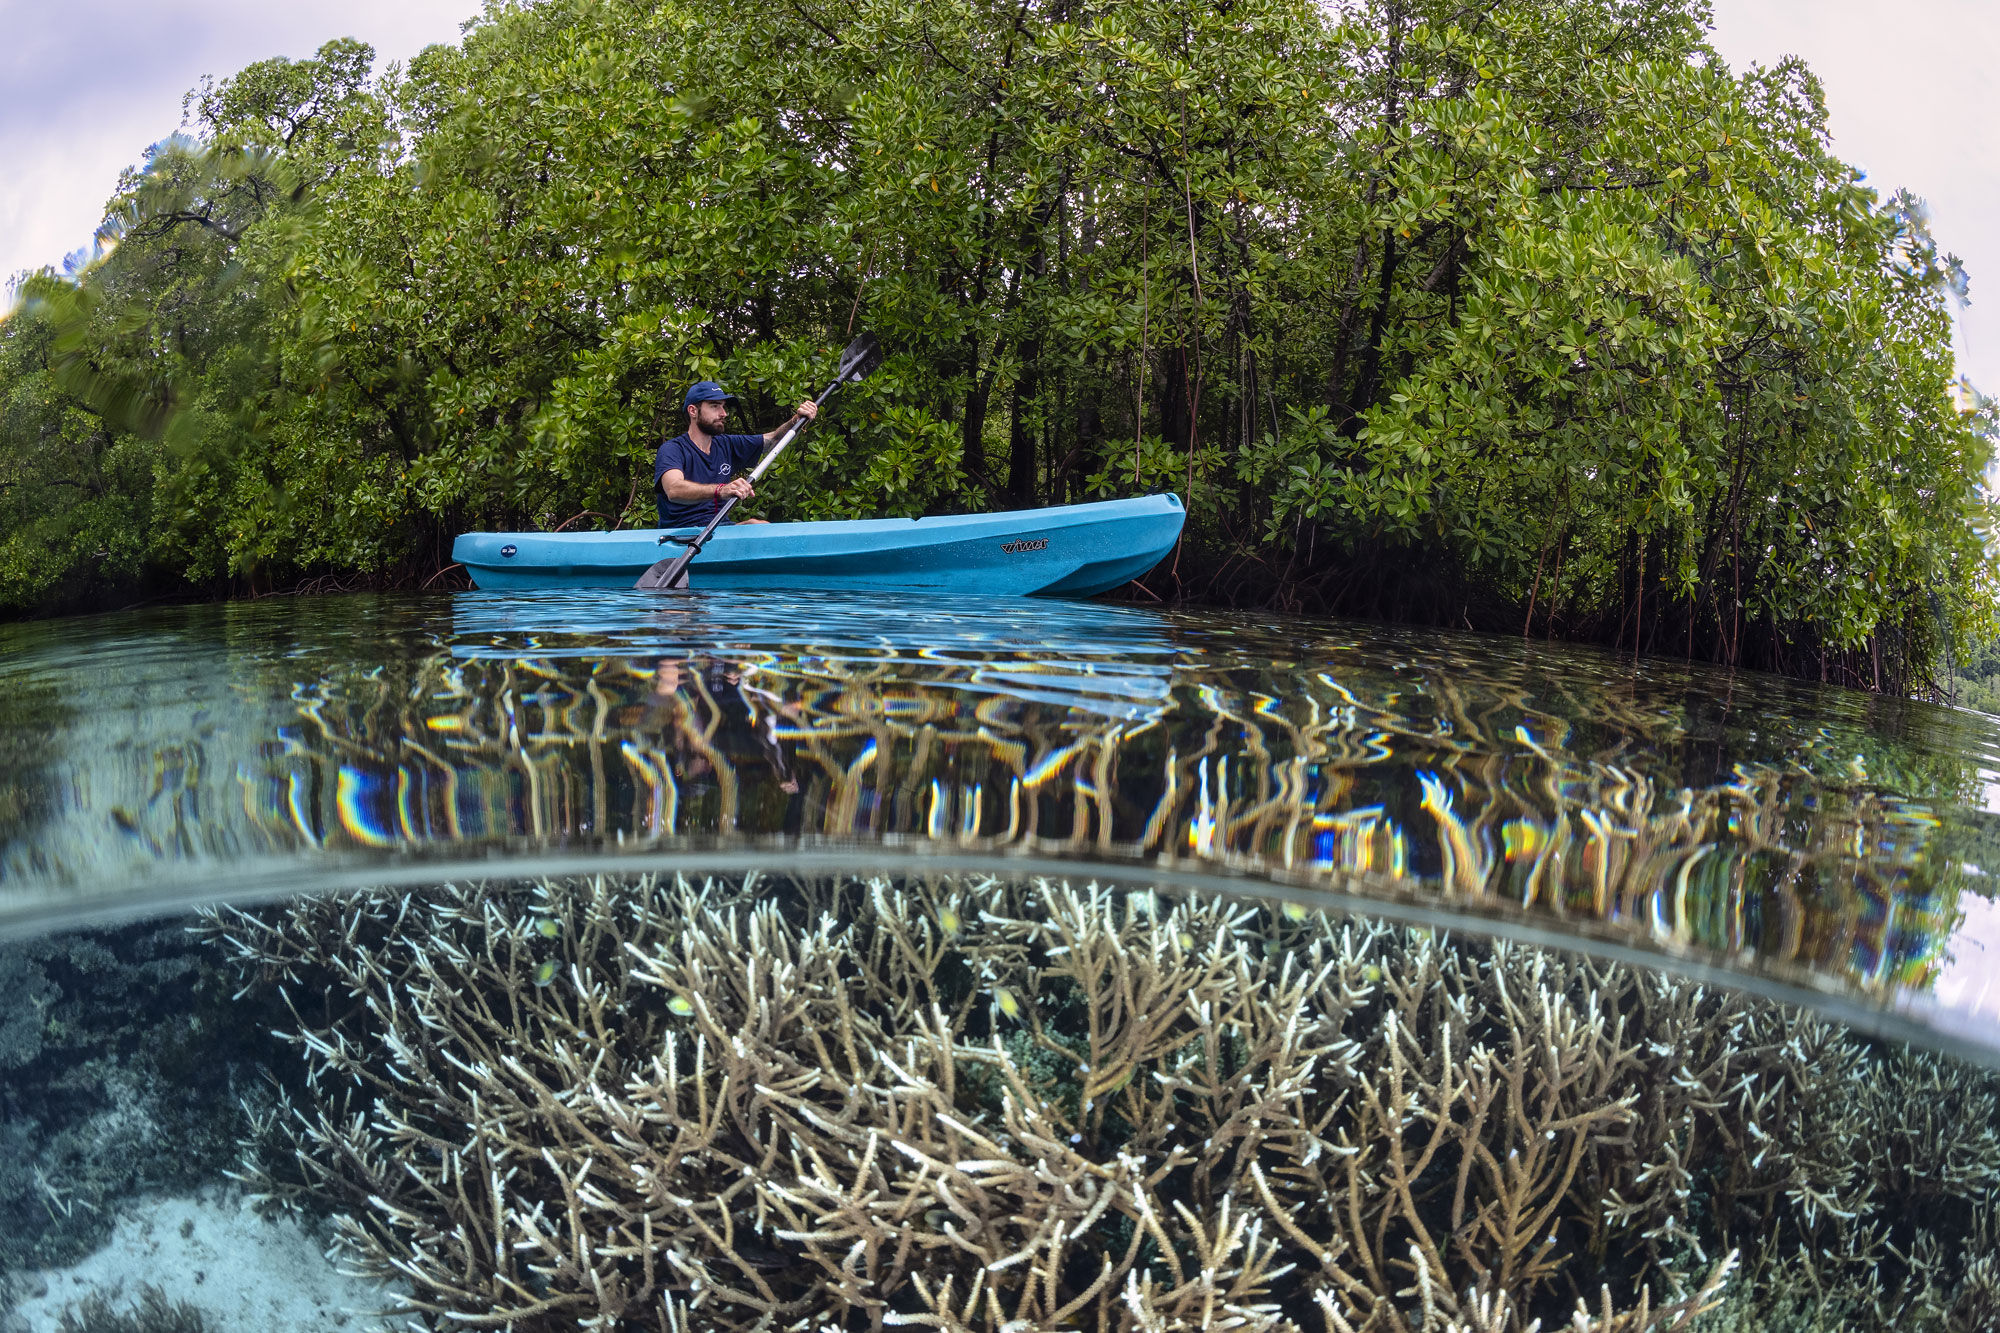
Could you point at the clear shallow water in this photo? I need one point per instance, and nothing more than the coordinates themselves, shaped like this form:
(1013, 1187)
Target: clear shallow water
(697, 1102)
(742, 963)
(1819, 843)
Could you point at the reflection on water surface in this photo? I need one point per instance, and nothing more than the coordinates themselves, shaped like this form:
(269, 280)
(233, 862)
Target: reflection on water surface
(1821, 838)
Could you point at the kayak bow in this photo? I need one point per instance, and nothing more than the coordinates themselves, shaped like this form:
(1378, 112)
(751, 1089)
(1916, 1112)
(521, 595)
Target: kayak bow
(1065, 551)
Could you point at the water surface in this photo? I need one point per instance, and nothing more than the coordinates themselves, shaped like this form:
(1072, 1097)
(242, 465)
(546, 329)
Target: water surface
(1822, 843)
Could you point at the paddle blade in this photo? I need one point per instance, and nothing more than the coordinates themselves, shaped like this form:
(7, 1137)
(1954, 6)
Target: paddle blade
(664, 574)
(862, 358)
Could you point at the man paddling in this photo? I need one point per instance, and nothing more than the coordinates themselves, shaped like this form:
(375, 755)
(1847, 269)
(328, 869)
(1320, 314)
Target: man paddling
(693, 473)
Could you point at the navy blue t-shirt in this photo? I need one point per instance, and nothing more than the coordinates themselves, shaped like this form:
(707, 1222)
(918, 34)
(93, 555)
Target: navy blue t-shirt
(728, 457)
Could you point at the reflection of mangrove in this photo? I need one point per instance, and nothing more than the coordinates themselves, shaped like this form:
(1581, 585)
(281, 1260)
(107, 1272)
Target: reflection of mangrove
(972, 1105)
(31, 721)
(1289, 770)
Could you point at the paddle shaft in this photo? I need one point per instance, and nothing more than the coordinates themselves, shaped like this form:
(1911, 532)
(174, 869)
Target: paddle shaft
(679, 565)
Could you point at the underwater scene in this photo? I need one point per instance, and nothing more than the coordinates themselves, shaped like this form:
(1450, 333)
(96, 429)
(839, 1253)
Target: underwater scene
(624, 962)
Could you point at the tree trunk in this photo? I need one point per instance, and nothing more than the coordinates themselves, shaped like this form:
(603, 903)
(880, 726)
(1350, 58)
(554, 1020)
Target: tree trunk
(1020, 441)
(1173, 385)
(972, 426)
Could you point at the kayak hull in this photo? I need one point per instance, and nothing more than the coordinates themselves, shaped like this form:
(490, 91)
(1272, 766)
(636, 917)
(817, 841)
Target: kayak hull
(1064, 551)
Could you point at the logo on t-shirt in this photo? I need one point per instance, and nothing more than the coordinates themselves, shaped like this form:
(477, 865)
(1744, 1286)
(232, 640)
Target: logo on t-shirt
(725, 469)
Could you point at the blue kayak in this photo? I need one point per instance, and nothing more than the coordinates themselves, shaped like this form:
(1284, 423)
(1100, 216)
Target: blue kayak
(1065, 551)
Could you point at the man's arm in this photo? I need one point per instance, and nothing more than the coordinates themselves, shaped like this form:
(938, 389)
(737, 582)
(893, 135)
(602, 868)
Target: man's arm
(682, 491)
(808, 410)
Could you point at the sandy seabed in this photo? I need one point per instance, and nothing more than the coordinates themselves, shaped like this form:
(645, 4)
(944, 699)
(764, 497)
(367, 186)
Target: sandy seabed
(245, 1274)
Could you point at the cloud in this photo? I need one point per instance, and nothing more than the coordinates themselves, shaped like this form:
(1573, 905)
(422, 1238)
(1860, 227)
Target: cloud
(1910, 94)
(86, 89)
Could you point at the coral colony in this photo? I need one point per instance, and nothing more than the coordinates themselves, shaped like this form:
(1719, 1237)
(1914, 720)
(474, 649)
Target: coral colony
(984, 1105)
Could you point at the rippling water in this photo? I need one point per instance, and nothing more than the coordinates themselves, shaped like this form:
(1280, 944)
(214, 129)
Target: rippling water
(1817, 839)
(746, 962)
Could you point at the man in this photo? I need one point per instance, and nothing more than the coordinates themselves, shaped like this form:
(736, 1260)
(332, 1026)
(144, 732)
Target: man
(723, 709)
(694, 473)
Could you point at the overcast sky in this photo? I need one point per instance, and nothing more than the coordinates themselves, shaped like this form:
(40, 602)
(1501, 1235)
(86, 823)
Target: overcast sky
(84, 90)
(1910, 90)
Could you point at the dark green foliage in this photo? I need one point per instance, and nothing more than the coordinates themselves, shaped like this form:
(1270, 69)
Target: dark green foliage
(1975, 682)
(1533, 316)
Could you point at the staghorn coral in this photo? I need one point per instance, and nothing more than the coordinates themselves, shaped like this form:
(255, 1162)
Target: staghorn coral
(980, 1105)
(1861, 1181)
(152, 1312)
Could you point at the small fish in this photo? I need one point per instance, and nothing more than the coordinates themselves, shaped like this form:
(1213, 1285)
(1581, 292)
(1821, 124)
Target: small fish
(545, 972)
(1009, 1004)
(1371, 973)
(547, 927)
(937, 1217)
(681, 1005)
(1186, 941)
(948, 919)
(1295, 911)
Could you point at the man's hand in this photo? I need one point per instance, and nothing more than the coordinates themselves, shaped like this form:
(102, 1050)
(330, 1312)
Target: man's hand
(739, 487)
(803, 413)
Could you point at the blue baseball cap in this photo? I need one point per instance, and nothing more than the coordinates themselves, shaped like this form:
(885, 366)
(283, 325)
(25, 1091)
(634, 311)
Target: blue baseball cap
(707, 391)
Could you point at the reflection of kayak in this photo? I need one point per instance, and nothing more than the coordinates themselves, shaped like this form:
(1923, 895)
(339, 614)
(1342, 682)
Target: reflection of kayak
(1067, 551)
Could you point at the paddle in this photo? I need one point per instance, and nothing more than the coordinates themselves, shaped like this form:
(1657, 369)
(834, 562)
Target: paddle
(857, 363)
